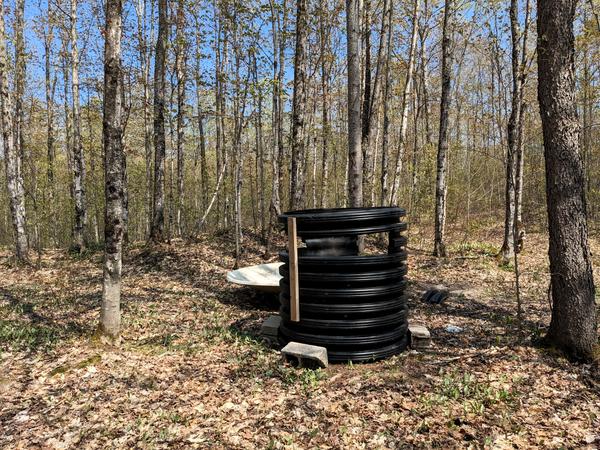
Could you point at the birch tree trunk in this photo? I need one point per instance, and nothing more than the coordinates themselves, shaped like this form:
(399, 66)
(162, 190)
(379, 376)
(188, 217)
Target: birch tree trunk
(573, 325)
(441, 187)
(386, 98)
(144, 56)
(368, 96)
(297, 184)
(355, 156)
(112, 136)
(405, 104)
(12, 153)
(521, 122)
(50, 88)
(325, 44)
(158, 221)
(81, 219)
(200, 110)
(507, 250)
(180, 69)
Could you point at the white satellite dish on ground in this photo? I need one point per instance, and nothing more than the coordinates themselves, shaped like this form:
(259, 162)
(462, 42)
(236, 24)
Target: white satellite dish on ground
(263, 277)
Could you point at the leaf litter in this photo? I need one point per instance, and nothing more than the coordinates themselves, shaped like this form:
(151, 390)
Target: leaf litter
(192, 371)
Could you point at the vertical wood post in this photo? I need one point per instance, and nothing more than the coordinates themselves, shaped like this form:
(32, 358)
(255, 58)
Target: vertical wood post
(293, 255)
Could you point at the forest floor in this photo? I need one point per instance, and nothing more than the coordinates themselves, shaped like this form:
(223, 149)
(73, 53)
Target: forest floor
(192, 373)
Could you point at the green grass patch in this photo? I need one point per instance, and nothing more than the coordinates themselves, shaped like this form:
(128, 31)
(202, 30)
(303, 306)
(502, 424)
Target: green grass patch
(474, 395)
(474, 248)
(27, 335)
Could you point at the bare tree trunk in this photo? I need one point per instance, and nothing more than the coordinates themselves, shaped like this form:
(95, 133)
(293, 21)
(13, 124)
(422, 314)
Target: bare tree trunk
(441, 187)
(424, 73)
(276, 158)
(368, 96)
(50, 85)
(180, 69)
(507, 250)
(66, 62)
(386, 100)
(299, 107)
(20, 77)
(112, 136)
(573, 325)
(521, 124)
(277, 155)
(12, 152)
(239, 111)
(141, 6)
(81, 219)
(325, 44)
(355, 163)
(202, 136)
(405, 104)
(260, 158)
(158, 221)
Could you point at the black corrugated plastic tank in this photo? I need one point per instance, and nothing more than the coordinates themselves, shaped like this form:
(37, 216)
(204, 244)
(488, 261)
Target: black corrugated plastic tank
(352, 304)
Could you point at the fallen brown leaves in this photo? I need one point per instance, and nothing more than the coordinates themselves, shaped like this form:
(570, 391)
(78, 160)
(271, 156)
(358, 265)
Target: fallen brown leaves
(192, 372)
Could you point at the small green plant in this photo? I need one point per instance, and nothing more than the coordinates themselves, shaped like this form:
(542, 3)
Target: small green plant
(474, 395)
(475, 248)
(310, 378)
(27, 336)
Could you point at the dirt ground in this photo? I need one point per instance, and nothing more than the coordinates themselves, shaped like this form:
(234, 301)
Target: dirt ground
(192, 372)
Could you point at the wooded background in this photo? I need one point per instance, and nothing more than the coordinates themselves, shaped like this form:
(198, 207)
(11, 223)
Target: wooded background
(237, 150)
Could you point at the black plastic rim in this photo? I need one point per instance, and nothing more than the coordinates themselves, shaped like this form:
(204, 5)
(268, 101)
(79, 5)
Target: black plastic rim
(347, 308)
(343, 215)
(347, 323)
(351, 231)
(353, 262)
(368, 355)
(370, 292)
(347, 277)
(343, 342)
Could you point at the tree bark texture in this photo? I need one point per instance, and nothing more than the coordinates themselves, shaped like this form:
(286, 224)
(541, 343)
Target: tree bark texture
(158, 221)
(355, 156)
(441, 185)
(573, 325)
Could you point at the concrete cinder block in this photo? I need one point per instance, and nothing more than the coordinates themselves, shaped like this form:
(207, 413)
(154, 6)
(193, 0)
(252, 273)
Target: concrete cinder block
(269, 331)
(270, 326)
(304, 355)
(420, 338)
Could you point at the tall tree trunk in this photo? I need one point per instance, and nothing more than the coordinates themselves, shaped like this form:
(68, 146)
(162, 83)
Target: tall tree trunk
(405, 104)
(386, 100)
(424, 72)
(507, 250)
(521, 122)
(297, 184)
(276, 159)
(277, 155)
(573, 325)
(12, 152)
(141, 6)
(180, 69)
(368, 96)
(355, 163)
(441, 187)
(50, 85)
(200, 108)
(325, 44)
(158, 221)
(112, 136)
(66, 63)
(260, 158)
(81, 219)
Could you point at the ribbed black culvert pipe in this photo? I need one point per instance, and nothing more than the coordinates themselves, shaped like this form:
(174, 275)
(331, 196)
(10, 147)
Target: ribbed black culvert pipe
(350, 303)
